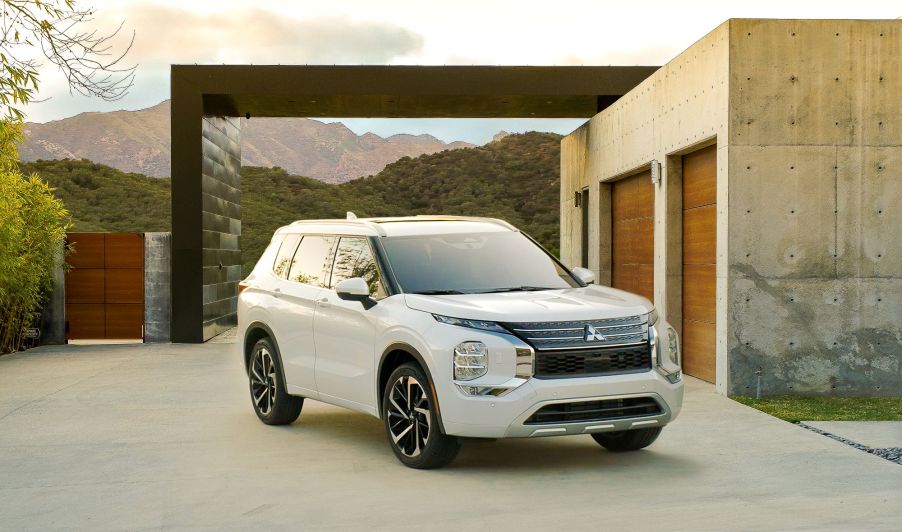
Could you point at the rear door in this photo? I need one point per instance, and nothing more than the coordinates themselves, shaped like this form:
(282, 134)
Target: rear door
(300, 268)
(345, 331)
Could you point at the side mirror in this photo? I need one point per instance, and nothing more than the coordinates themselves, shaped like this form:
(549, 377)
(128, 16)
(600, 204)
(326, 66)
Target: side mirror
(584, 275)
(355, 289)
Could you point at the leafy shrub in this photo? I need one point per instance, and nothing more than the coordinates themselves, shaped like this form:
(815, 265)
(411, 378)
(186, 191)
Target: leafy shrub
(32, 232)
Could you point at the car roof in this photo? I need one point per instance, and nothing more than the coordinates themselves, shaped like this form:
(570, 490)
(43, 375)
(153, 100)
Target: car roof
(400, 226)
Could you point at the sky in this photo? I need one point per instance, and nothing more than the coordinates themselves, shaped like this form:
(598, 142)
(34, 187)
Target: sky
(396, 32)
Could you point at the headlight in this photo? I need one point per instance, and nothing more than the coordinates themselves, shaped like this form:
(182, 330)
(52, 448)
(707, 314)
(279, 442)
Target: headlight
(471, 361)
(652, 317)
(673, 346)
(472, 324)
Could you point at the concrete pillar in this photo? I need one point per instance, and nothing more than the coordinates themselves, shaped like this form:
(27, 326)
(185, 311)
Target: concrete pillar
(53, 315)
(157, 286)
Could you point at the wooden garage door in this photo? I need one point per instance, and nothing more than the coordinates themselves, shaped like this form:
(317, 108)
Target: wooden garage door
(633, 235)
(699, 258)
(105, 286)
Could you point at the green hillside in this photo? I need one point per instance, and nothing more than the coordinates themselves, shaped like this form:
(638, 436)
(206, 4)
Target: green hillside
(516, 178)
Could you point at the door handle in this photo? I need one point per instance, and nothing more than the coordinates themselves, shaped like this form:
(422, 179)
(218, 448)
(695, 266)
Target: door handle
(277, 292)
(323, 302)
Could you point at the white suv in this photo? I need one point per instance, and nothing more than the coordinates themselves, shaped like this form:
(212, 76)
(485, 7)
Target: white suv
(449, 328)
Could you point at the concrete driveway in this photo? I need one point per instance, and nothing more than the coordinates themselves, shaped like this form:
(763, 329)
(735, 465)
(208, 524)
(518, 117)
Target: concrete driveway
(163, 436)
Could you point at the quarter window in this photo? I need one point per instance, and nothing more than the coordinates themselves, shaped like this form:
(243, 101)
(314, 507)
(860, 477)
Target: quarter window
(354, 258)
(312, 261)
(286, 251)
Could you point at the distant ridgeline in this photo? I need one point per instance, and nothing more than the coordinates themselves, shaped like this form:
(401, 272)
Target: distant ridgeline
(515, 178)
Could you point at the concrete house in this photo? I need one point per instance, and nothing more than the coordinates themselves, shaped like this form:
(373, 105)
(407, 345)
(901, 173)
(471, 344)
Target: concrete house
(752, 188)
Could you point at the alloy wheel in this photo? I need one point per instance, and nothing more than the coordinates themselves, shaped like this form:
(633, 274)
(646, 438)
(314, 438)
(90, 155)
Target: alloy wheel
(409, 419)
(263, 381)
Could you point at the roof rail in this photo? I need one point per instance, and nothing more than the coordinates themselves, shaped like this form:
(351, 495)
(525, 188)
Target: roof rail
(374, 223)
(354, 223)
(441, 218)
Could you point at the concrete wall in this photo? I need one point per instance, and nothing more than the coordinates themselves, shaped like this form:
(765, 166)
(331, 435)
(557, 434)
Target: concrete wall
(815, 189)
(53, 314)
(683, 106)
(573, 179)
(157, 286)
(221, 203)
(807, 119)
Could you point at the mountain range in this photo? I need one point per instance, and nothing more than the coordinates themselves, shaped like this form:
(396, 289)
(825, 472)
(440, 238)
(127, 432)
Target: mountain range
(139, 142)
(516, 177)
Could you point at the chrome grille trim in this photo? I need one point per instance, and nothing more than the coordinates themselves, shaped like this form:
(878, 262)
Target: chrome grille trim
(617, 332)
(570, 348)
(600, 327)
(549, 330)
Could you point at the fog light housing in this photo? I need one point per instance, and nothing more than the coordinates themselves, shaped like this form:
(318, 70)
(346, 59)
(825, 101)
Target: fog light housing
(673, 346)
(471, 361)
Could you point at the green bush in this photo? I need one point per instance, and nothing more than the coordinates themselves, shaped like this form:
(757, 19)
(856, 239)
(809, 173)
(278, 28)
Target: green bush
(32, 233)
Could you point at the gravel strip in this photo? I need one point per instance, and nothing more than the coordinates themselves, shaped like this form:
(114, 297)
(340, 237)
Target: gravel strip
(893, 454)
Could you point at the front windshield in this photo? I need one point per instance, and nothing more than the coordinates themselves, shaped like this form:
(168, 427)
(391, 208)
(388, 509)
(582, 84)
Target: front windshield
(473, 263)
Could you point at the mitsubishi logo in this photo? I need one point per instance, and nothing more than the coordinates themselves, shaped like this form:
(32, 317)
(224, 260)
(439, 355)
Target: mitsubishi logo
(592, 335)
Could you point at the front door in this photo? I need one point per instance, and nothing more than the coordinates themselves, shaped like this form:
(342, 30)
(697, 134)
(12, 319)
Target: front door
(345, 331)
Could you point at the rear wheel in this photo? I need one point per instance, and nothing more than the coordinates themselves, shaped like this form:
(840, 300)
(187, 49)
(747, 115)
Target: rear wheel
(409, 413)
(272, 403)
(627, 440)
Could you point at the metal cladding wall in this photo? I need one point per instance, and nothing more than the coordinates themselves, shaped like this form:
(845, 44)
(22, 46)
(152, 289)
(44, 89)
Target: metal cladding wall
(221, 204)
(807, 120)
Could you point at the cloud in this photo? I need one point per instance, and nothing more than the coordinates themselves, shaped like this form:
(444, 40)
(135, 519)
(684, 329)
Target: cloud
(168, 34)
(657, 54)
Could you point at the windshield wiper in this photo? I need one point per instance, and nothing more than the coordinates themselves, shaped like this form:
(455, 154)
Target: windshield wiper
(438, 292)
(517, 289)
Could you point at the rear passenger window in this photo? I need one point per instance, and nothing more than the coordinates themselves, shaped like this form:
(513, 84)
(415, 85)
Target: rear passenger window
(312, 261)
(354, 258)
(283, 259)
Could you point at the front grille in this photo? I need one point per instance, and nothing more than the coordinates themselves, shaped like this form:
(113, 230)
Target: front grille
(593, 362)
(565, 335)
(598, 410)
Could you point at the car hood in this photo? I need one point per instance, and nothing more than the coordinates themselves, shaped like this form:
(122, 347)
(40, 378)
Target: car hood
(587, 303)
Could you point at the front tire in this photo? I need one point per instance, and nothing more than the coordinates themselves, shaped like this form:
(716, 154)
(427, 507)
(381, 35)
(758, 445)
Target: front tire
(272, 403)
(411, 423)
(627, 440)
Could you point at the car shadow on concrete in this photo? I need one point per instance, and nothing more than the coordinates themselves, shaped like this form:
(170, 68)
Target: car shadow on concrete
(562, 454)
(360, 434)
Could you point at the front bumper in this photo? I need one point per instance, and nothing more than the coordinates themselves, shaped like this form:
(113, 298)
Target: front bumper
(506, 416)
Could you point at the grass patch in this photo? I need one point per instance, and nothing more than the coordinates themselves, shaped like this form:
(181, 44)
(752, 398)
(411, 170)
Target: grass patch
(795, 409)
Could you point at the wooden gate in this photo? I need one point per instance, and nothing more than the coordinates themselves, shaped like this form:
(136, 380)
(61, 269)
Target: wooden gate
(105, 286)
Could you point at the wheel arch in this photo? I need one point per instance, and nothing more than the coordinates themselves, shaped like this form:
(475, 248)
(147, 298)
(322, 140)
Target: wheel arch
(393, 356)
(255, 332)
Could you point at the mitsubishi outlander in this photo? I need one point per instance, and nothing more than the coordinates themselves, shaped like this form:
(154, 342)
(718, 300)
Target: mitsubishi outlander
(448, 328)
